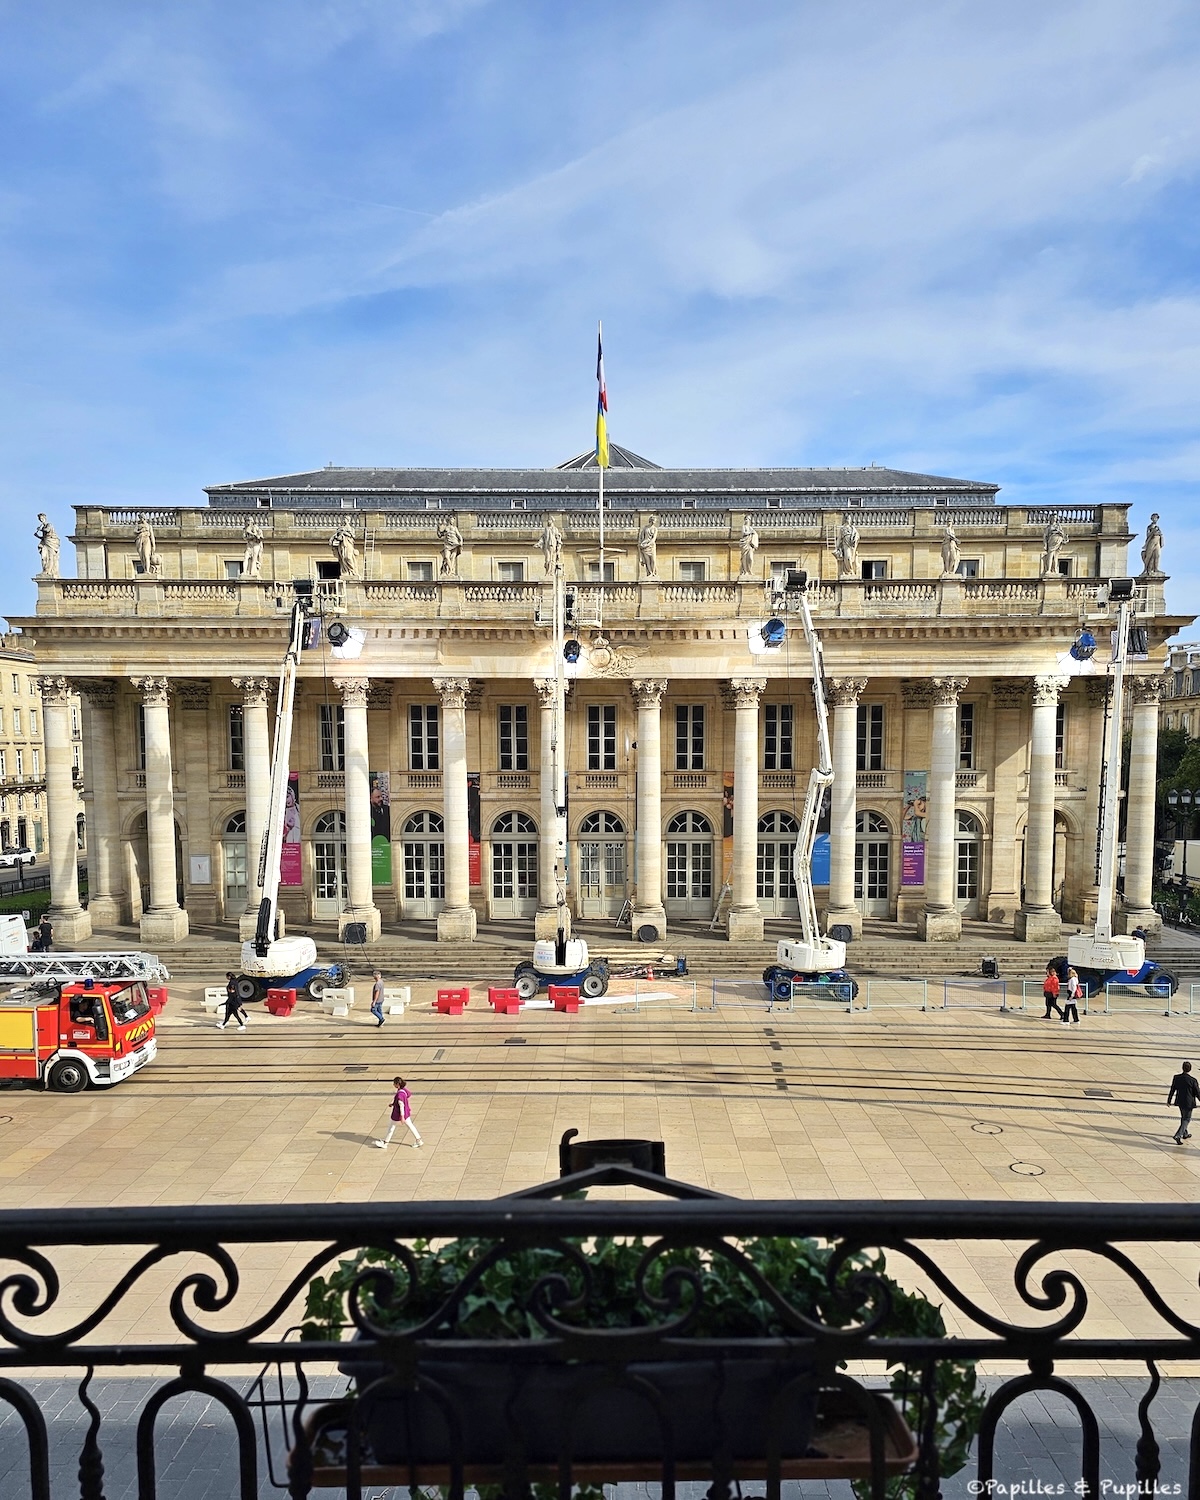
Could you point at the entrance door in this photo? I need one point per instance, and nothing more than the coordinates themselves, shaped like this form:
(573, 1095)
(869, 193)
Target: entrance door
(235, 863)
(424, 865)
(514, 866)
(602, 887)
(689, 866)
(967, 845)
(331, 894)
(776, 846)
(872, 864)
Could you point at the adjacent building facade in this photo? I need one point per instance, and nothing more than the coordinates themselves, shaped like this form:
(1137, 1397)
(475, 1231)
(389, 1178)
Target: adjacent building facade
(966, 745)
(23, 813)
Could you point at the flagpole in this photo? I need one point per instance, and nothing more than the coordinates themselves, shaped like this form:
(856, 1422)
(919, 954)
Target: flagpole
(600, 592)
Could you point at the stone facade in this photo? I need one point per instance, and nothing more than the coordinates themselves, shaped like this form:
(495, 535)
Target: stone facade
(23, 808)
(967, 779)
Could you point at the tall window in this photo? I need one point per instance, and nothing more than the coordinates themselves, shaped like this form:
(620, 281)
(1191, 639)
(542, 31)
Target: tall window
(966, 737)
(601, 737)
(16, 721)
(1060, 737)
(37, 762)
(423, 737)
(74, 721)
(513, 722)
(777, 737)
(691, 572)
(237, 738)
(332, 721)
(140, 730)
(20, 754)
(420, 572)
(510, 572)
(689, 737)
(3, 764)
(1, 721)
(16, 683)
(869, 747)
(33, 722)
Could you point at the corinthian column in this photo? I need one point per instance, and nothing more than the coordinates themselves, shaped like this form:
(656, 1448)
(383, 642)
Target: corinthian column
(1037, 921)
(1139, 806)
(648, 908)
(256, 756)
(107, 896)
(1008, 705)
(358, 810)
(844, 693)
(941, 921)
(164, 921)
(71, 922)
(745, 923)
(456, 920)
(553, 913)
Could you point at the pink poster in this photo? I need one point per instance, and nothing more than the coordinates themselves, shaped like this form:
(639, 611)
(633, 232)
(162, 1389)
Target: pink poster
(289, 854)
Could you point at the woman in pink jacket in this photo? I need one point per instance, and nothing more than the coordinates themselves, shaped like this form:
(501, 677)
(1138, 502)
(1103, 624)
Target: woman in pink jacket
(401, 1113)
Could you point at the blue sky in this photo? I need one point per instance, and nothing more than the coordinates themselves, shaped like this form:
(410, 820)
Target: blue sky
(252, 238)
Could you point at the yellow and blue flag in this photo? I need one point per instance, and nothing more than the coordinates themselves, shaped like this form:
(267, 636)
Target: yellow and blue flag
(601, 404)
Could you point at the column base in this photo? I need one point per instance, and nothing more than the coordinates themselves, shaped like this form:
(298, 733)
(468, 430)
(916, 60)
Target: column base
(845, 916)
(248, 923)
(1135, 916)
(169, 924)
(939, 926)
(649, 916)
(70, 926)
(105, 911)
(368, 916)
(745, 926)
(456, 925)
(1037, 926)
(547, 919)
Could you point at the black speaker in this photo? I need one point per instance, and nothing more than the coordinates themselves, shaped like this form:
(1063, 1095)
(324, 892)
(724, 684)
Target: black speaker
(989, 968)
(840, 933)
(355, 932)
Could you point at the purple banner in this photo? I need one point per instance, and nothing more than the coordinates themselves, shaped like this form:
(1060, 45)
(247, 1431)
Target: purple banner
(912, 864)
(913, 822)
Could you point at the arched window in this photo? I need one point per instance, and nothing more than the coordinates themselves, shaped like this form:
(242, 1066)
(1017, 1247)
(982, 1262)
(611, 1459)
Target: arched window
(689, 822)
(776, 849)
(236, 823)
(513, 822)
(689, 865)
(968, 834)
(235, 862)
(778, 822)
(425, 822)
(424, 865)
(872, 863)
(601, 822)
(870, 822)
(514, 865)
(330, 881)
(330, 823)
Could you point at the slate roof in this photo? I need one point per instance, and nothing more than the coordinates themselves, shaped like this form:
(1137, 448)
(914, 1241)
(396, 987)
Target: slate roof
(634, 483)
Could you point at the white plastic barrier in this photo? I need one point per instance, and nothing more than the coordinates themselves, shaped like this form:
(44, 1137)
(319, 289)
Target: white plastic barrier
(214, 997)
(396, 999)
(335, 1002)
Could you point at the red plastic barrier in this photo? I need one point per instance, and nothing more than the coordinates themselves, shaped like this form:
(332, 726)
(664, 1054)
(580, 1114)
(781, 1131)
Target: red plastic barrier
(453, 1002)
(157, 996)
(505, 1002)
(564, 997)
(281, 1002)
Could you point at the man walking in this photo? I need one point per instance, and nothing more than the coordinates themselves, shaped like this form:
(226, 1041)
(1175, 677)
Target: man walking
(1184, 1092)
(377, 998)
(234, 1010)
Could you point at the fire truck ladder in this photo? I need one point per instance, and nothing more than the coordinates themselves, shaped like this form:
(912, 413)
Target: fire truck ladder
(68, 966)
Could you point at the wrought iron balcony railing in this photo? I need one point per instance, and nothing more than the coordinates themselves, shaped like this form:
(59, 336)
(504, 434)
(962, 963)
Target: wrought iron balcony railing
(79, 1287)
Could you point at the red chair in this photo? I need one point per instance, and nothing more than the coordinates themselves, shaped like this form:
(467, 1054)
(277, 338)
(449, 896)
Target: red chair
(505, 1002)
(281, 1002)
(564, 997)
(157, 996)
(452, 1002)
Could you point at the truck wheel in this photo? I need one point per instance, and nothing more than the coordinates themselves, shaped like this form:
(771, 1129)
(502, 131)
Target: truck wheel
(249, 990)
(316, 986)
(781, 989)
(1162, 984)
(68, 1077)
(594, 985)
(526, 984)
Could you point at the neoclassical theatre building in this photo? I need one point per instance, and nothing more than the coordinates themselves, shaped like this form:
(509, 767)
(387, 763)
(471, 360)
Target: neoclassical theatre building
(967, 756)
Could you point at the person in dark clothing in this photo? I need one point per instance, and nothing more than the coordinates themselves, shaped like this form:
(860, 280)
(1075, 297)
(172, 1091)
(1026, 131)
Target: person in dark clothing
(1184, 1092)
(234, 1010)
(1050, 989)
(45, 934)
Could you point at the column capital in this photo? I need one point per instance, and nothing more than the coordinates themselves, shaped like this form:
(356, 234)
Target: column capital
(1145, 690)
(153, 689)
(648, 692)
(916, 692)
(745, 692)
(254, 690)
(1098, 691)
(1009, 692)
(844, 692)
(945, 690)
(55, 690)
(545, 689)
(195, 693)
(354, 691)
(1046, 691)
(453, 691)
(101, 692)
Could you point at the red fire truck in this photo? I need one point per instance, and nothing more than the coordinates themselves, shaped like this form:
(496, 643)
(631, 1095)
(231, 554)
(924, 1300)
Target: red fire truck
(83, 1031)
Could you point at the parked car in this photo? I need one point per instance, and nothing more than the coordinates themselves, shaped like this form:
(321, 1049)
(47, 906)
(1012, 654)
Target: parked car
(11, 858)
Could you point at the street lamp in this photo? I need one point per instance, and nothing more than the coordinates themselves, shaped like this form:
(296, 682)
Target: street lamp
(1181, 801)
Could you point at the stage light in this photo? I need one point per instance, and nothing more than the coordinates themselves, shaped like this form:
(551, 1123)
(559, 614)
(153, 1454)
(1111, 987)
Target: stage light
(1085, 646)
(571, 651)
(773, 632)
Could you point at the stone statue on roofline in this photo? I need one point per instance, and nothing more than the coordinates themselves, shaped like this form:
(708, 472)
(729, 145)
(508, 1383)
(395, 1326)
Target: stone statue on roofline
(648, 548)
(1152, 553)
(48, 544)
(342, 544)
(950, 552)
(747, 547)
(845, 548)
(148, 561)
(452, 545)
(551, 543)
(1054, 539)
(252, 557)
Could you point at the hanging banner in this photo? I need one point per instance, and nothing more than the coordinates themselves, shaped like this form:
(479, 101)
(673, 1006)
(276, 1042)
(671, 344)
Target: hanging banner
(290, 871)
(821, 855)
(474, 815)
(381, 827)
(913, 822)
(727, 828)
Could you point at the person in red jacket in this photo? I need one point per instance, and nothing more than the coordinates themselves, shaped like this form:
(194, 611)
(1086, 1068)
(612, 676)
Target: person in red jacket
(401, 1113)
(1050, 988)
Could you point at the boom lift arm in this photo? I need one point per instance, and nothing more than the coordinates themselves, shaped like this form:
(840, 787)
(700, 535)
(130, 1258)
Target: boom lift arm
(272, 840)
